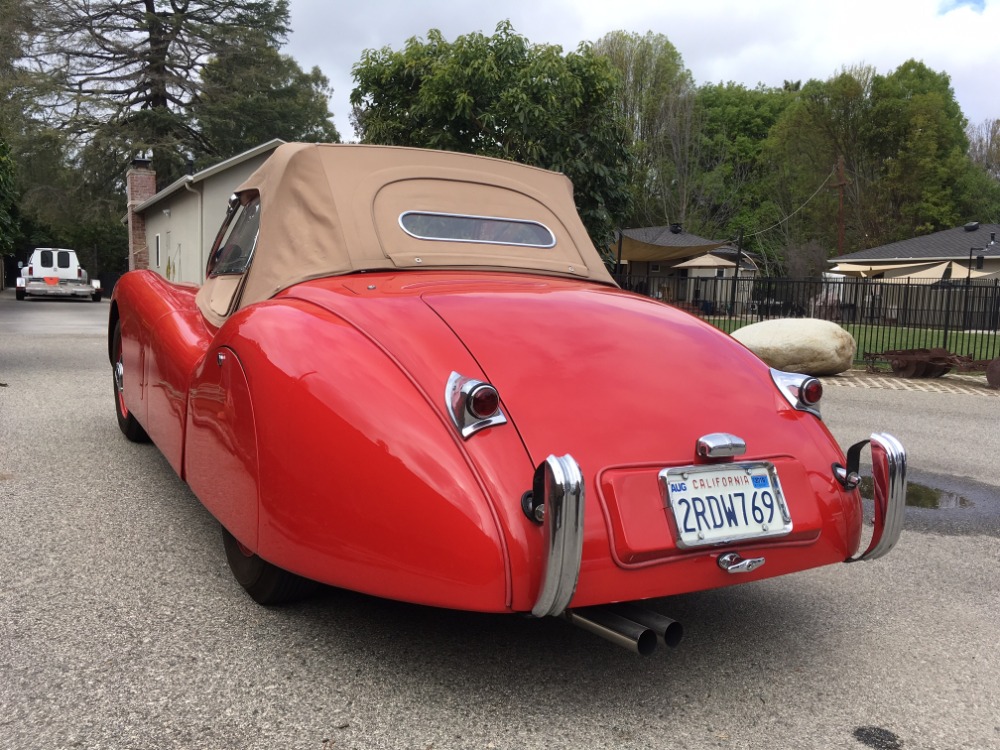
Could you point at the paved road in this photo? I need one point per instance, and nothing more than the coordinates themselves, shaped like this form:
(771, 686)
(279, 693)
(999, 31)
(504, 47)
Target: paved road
(120, 626)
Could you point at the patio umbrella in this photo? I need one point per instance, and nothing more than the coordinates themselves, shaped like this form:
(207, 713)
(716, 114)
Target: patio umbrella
(961, 271)
(924, 271)
(706, 261)
(873, 269)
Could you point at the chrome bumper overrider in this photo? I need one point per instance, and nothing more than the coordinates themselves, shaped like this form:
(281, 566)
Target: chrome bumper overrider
(889, 479)
(559, 482)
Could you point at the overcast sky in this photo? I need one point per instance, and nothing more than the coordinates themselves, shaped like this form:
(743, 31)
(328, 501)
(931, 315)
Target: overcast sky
(746, 41)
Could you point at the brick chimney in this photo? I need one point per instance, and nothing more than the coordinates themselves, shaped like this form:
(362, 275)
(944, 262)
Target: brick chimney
(140, 185)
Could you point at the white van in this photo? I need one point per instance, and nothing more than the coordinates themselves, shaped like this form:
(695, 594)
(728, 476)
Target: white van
(55, 272)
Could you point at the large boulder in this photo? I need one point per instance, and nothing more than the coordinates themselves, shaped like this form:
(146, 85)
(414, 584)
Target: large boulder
(806, 345)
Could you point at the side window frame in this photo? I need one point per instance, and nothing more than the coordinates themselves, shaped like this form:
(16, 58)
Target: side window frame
(241, 225)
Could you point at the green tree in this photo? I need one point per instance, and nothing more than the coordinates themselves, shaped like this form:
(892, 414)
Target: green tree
(656, 99)
(736, 122)
(8, 225)
(16, 108)
(130, 69)
(252, 93)
(919, 133)
(502, 96)
(980, 187)
(902, 140)
(15, 33)
(799, 156)
(984, 146)
(71, 197)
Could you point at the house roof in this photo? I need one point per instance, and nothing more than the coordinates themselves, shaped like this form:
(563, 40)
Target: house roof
(662, 243)
(190, 179)
(747, 258)
(948, 244)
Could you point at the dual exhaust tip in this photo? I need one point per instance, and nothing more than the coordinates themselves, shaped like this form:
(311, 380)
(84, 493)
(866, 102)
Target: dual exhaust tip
(628, 625)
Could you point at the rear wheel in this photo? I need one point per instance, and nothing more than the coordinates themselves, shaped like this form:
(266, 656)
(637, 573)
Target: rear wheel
(96, 296)
(127, 422)
(264, 582)
(19, 293)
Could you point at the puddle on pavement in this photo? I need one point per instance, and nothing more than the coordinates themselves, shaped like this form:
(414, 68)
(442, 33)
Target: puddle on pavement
(921, 496)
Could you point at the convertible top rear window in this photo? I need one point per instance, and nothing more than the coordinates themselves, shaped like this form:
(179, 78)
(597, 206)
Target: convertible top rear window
(491, 230)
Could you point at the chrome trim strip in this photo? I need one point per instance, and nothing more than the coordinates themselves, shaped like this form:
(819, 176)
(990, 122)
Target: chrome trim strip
(889, 479)
(560, 481)
(720, 445)
(456, 397)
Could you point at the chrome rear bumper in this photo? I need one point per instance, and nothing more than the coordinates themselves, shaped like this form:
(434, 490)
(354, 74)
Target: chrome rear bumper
(63, 289)
(559, 482)
(889, 479)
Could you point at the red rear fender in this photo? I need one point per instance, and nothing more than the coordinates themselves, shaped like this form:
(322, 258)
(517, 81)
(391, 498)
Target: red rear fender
(363, 483)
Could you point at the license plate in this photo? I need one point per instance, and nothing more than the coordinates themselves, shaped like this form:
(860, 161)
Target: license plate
(722, 504)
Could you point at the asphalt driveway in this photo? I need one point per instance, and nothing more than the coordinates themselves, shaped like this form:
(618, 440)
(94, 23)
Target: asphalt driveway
(121, 627)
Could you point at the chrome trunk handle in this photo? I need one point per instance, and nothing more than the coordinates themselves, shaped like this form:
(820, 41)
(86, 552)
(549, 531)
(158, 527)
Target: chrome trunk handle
(733, 563)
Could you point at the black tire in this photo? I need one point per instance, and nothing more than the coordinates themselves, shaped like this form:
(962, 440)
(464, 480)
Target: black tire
(19, 293)
(127, 422)
(264, 582)
(96, 296)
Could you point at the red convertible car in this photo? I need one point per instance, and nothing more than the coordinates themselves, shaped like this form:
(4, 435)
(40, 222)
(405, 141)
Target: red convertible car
(409, 374)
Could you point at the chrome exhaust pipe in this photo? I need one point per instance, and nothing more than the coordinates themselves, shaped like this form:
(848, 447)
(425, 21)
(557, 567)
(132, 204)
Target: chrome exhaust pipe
(615, 628)
(668, 631)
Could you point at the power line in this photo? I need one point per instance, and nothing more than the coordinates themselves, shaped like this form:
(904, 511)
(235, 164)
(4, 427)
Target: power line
(807, 202)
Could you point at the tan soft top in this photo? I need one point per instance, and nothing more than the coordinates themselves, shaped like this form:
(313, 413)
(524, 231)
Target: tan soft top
(334, 209)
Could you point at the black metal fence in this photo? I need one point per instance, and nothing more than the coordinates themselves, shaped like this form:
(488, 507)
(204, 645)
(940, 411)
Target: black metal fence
(960, 315)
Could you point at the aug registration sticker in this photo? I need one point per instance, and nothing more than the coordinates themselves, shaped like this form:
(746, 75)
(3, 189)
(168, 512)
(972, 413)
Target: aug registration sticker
(727, 503)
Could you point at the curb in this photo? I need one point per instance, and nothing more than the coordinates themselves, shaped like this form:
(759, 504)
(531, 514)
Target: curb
(951, 383)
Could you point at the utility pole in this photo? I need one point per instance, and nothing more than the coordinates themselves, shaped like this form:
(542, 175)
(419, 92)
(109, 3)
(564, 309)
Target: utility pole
(736, 274)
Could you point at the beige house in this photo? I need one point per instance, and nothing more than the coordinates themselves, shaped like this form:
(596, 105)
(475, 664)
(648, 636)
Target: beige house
(171, 231)
(675, 266)
(967, 252)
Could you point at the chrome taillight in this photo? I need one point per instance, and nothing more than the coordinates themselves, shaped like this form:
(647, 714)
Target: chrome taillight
(483, 401)
(811, 391)
(472, 404)
(803, 392)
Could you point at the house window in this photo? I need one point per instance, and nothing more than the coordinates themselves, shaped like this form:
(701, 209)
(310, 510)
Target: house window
(720, 273)
(156, 245)
(654, 267)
